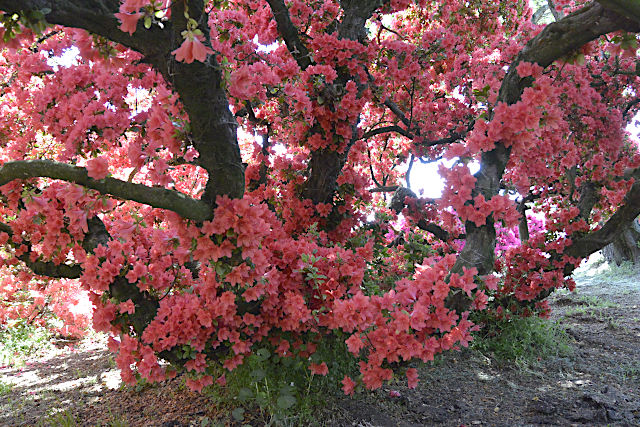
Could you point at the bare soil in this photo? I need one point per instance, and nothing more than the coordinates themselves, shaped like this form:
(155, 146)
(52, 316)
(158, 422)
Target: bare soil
(596, 384)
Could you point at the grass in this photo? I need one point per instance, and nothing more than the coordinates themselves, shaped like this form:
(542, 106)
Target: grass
(5, 388)
(62, 419)
(598, 268)
(630, 372)
(523, 341)
(66, 419)
(595, 302)
(590, 305)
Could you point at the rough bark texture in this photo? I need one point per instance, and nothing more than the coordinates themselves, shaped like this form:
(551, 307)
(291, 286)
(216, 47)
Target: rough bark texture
(325, 165)
(97, 16)
(627, 8)
(624, 246)
(213, 126)
(289, 33)
(616, 225)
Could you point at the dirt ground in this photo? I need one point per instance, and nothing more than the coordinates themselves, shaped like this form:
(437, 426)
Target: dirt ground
(596, 382)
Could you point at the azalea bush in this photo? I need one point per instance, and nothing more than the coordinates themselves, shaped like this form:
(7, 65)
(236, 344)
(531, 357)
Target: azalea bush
(60, 307)
(226, 179)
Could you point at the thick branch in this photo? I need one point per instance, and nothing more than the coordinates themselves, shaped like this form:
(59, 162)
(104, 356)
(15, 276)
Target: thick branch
(325, 165)
(324, 168)
(596, 240)
(384, 189)
(290, 33)
(387, 129)
(198, 84)
(97, 16)
(356, 14)
(44, 268)
(562, 38)
(588, 198)
(435, 229)
(397, 111)
(152, 196)
(213, 126)
(627, 8)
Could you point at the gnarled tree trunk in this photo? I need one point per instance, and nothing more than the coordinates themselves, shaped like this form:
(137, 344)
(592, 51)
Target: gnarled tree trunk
(625, 246)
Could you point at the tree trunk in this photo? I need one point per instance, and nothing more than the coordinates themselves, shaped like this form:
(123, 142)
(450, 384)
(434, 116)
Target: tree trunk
(625, 246)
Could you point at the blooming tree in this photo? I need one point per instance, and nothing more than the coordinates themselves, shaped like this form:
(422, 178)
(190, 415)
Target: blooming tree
(218, 175)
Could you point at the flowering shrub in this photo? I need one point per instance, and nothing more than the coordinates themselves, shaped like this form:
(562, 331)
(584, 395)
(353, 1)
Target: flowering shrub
(62, 307)
(218, 178)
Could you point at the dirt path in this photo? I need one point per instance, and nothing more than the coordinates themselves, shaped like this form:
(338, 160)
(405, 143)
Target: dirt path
(596, 381)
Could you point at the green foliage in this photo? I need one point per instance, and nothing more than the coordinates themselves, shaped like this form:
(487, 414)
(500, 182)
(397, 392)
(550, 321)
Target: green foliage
(62, 419)
(282, 390)
(523, 341)
(5, 388)
(629, 371)
(20, 339)
(378, 277)
(32, 19)
(591, 301)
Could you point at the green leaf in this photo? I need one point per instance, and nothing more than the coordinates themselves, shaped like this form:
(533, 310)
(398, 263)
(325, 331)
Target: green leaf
(286, 401)
(238, 414)
(258, 374)
(245, 394)
(262, 399)
(287, 390)
(263, 354)
(147, 22)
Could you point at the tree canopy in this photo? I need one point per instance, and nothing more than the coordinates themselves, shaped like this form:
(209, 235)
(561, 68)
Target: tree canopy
(226, 175)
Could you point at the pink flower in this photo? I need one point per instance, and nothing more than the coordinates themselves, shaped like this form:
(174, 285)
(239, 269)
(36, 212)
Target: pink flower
(192, 48)
(199, 384)
(348, 385)
(412, 377)
(127, 307)
(98, 168)
(241, 84)
(129, 21)
(525, 69)
(354, 344)
(222, 380)
(319, 369)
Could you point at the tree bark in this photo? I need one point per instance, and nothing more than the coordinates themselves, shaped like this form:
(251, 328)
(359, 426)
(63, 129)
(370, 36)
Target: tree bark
(624, 246)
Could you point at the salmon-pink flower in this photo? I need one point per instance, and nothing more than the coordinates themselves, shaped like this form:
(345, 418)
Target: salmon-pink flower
(222, 380)
(348, 385)
(241, 84)
(192, 48)
(127, 307)
(129, 21)
(412, 377)
(319, 369)
(98, 168)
